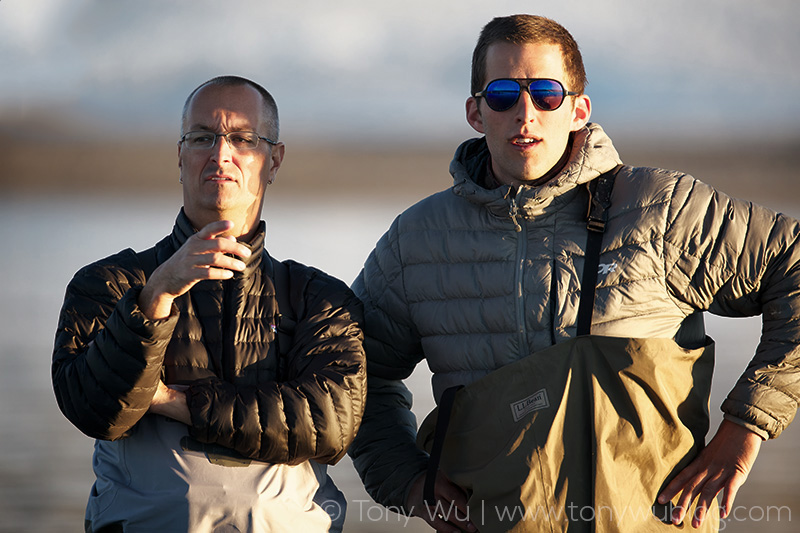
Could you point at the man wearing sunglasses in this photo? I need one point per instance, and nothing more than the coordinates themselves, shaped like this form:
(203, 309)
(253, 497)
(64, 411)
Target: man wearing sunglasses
(585, 399)
(217, 380)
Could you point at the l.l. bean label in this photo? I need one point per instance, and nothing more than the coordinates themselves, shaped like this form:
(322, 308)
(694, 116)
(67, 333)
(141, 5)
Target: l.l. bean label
(536, 401)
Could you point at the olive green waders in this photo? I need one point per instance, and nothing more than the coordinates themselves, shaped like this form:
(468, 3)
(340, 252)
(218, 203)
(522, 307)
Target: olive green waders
(581, 436)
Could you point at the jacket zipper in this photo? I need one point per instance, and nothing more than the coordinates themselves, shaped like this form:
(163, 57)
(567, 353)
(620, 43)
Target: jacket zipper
(513, 213)
(553, 302)
(522, 244)
(228, 363)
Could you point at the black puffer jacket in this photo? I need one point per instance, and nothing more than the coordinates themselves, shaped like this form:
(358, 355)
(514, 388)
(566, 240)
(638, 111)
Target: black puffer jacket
(221, 338)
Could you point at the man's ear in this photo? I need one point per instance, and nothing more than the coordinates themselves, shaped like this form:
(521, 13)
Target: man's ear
(474, 116)
(276, 159)
(581, 112)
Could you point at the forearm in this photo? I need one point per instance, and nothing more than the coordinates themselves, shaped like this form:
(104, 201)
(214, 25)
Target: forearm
(281, 422)
(767, 393)
(384, 452)
(155, 303)
(766, 396)
(105, 385)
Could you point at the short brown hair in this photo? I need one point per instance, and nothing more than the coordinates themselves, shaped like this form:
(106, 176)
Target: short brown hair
(523, 29)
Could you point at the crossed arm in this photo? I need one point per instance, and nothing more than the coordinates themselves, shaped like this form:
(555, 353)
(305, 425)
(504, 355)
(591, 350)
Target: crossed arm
(315, 411)
(203, 256)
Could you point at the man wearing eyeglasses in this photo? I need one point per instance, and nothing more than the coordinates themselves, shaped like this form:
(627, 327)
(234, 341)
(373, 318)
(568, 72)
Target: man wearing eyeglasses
(564, 292)
(217, 380)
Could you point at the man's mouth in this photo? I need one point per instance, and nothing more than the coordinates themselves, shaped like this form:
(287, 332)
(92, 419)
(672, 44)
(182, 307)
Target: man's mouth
(524, 141)
(219, 178)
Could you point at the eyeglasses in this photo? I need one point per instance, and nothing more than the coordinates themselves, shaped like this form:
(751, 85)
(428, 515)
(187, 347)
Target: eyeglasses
(502, 94)
(241, 141)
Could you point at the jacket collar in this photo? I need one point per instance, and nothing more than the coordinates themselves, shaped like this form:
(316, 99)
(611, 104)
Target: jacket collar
(183, 229)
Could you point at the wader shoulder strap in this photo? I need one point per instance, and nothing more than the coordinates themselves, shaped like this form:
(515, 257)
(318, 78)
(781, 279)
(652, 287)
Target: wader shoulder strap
(442, 421)
(599, 201)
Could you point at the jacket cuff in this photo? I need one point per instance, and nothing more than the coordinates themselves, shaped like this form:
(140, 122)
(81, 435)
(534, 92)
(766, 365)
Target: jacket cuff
(199, 399)
(741, 405)
(755, 429)
(137, 321)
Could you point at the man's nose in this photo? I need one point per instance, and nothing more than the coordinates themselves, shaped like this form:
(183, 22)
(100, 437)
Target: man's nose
(524, 108)
(221, 151)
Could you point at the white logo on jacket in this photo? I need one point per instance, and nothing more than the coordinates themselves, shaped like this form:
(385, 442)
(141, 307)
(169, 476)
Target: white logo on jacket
(605, 268)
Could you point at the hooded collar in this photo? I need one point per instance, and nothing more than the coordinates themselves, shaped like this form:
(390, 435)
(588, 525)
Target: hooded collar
(591, 155)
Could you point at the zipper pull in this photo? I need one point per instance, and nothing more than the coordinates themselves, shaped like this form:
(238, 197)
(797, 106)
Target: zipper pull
(513, 213)
(275, 324)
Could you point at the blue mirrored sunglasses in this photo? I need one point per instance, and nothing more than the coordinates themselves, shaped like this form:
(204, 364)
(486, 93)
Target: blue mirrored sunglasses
(546, 94)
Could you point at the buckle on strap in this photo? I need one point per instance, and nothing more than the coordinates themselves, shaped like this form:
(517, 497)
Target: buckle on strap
(597, 225)
(600, 199)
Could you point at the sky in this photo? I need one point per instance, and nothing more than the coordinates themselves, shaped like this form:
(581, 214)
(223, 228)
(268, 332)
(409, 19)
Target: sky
(394, 71)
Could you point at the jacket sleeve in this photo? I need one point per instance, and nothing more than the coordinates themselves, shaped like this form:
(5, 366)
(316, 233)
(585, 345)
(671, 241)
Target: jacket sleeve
(737, 259)
(107, 356)
(384, 452)
(316, 411)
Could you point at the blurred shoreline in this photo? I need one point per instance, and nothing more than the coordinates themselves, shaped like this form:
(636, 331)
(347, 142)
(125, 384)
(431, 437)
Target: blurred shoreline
(763, 171)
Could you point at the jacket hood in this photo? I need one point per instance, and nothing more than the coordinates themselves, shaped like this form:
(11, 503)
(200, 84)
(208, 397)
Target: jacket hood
(591, 155)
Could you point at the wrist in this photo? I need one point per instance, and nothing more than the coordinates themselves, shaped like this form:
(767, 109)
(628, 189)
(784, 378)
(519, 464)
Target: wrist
(155, 306)
(414, 500)
(734, 421)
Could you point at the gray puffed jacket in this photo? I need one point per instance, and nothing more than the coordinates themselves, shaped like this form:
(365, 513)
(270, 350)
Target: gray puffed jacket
(472, 279)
